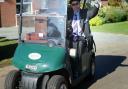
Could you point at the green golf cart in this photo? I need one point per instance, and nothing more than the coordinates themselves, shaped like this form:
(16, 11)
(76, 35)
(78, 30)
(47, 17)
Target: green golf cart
(43, 57)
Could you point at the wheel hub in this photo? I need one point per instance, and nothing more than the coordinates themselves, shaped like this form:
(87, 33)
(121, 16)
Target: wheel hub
(63, 86)
(93, 68)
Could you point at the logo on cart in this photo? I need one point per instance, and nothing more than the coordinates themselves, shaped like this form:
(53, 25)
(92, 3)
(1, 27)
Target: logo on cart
(31, 67)
(34, 56)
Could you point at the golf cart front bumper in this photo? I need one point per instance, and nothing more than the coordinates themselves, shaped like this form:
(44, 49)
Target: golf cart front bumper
(29, 80)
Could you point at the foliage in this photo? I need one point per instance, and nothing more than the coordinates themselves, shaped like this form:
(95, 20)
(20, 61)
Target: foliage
(96, 21)
(102, 11)
(113, 14)
(109, 14)
(114, 2)
(124, 6)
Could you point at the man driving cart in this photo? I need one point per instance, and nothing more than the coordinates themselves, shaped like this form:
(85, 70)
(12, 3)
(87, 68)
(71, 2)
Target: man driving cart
(46, 56)
(78, 19)
(78, 29)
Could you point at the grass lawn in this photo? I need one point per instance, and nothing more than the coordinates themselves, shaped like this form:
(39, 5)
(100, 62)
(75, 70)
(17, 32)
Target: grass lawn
(118, 28)
(7, 48)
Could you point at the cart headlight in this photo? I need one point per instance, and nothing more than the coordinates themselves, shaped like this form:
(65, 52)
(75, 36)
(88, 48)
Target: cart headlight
(72, 52)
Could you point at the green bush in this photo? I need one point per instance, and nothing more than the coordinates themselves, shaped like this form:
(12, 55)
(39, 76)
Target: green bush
(96, 21)
(125, 7)
(113, 14)
(102, 11)
(114, 2)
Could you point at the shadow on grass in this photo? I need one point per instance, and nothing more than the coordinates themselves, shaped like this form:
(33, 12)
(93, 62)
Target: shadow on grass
(2, 37)
(4, 40)
(105, 64)
(126, 1)
(7, 51)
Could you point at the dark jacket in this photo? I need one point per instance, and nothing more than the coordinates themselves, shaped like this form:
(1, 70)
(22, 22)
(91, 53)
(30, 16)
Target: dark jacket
(85, 15)
(70, 14)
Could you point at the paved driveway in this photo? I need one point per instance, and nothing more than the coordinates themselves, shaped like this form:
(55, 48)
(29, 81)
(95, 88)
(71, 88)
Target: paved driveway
(111, 61)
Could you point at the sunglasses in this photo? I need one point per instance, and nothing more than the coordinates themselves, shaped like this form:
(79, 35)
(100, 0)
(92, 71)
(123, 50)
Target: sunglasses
(74, 4)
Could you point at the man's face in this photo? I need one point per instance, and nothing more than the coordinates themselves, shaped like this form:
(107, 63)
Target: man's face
(75, 5)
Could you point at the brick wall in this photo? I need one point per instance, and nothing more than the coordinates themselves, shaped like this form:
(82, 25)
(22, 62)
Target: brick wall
(8, 13)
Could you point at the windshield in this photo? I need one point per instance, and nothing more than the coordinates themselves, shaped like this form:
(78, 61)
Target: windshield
(45, 23)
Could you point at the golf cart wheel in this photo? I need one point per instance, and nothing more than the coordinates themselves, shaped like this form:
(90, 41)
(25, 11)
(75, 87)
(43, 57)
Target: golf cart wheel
(92, 69)
(57, 82)
(12, 80)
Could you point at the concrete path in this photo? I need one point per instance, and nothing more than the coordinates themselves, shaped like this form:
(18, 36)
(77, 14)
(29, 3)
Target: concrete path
(111, 63)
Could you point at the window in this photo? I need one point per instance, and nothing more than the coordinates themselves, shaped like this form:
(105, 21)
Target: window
(27, 6)
(1, 0)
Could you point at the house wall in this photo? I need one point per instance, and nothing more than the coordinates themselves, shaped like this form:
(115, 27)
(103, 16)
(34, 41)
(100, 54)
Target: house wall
(8, 13)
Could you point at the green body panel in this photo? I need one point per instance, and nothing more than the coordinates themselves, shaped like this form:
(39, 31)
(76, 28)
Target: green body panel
(52, 58)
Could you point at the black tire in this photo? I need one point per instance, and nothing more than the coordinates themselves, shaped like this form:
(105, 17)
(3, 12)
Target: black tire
(57, 82)
(44, 82)
(92, 68)
(12, 80)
